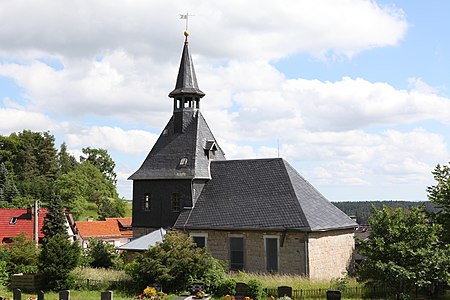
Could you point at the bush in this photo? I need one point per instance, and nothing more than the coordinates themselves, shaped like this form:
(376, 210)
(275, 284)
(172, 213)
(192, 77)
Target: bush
(255, 289)
(101, 254)
(174, 264)
(58, 258)
(3, 272)
(227, 287)
(21, 255)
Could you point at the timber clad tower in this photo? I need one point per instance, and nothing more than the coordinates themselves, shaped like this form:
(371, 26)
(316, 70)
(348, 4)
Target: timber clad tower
(176, 169)
(257, 214)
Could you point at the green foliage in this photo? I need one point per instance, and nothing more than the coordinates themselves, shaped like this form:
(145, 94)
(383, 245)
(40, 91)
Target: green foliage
(102, 160)
(58, 258)
(255, 289)
(101, 254)
(174, 263)
(403, 251)
(227, 287)
(110, 207)
(85, 183)
(55, 220)
(31, 156)
(21, 255)
(66, 162)
(3, 272)
(8, 189)
(440, 195)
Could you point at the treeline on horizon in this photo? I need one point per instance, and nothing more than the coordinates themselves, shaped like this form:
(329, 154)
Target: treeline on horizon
(363, 210)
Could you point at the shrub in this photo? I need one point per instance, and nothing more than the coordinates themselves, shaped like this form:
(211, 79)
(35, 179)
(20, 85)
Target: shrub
(255, 289)
(227, 287)
(21, 255)
(3, 272)
(101, 254)
(174, 264)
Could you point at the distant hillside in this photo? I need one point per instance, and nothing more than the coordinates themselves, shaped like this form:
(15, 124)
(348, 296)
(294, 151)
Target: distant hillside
(363, 209)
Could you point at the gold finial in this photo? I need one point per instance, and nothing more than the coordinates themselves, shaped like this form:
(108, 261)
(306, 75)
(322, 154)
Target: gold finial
(186, 34)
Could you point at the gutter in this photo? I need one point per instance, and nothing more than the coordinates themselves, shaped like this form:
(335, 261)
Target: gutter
(307, 254)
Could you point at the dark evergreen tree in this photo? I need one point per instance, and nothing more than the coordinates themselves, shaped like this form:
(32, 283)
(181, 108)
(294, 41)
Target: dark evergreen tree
(8, 190)
(101, 254)
(58, 258)
(55, 220)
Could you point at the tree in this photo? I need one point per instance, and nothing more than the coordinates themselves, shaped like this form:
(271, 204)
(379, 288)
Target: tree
(8, 190)
(110, 207)
(21, 255)
(84, 184)
(66, 162)
(175, 263)
(403, 251)
(101, 254)
(55, 220)
(440, 195)
(102, 160)
(58, 258)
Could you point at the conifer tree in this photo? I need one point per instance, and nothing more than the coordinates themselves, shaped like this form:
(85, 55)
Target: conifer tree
(55, 220)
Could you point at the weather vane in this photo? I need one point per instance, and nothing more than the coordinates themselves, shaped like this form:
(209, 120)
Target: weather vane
(186, 17)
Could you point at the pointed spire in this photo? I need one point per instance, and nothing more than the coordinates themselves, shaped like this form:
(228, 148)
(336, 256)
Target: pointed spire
(186, 80)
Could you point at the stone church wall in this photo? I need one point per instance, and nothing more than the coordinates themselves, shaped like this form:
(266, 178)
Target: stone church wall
(330, 253)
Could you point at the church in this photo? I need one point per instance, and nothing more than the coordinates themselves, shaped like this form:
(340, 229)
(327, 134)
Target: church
(258, 215)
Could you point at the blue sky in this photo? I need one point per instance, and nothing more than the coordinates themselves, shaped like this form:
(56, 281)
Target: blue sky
(354, 94)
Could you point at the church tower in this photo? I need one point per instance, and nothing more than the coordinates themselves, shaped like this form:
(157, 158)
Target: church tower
(173, 174)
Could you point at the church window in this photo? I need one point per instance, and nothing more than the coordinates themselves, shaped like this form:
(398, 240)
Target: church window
(236, 253)
(271, 245)
(147, 202)
(200, 239)
(176, 202)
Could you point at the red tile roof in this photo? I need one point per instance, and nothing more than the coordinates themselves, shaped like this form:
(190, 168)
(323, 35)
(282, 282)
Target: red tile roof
(23, 222)
(103, 229)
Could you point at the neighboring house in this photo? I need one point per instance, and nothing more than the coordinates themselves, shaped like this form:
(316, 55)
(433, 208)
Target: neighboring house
(116, 231)
(260, 215)
(142, 243)
(17, 220)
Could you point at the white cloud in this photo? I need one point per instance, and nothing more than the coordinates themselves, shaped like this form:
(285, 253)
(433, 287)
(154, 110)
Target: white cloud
(15, 120)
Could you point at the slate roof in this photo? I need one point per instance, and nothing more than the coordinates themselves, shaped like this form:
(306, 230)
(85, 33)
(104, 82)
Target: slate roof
(144, 242)
(23, 222)
(163, 161)
(186, 80)
(261, 194)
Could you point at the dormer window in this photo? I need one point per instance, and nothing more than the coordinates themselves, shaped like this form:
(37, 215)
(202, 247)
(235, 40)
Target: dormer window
(210, 149)
(13, 221)
(183, 162)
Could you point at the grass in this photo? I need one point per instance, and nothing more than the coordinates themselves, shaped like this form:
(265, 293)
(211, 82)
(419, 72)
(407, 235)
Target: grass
(91, 211)
(297, 282)
(100, 274)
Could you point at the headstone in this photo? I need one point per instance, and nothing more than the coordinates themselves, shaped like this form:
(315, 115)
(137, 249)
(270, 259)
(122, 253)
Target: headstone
(241, 290)
(284, 291)
(333, 295)
(40, 295)
(1, 298)
(108, 295)
(196, 286)
(64, 295)
(17, 294)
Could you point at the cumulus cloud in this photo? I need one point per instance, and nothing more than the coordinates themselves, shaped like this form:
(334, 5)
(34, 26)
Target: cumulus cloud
(15, 120)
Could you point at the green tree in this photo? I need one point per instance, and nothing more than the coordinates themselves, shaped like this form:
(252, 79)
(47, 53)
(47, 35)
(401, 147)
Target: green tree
(55, 220)
(21, 255)
(110, 207)
(8, 190)
(58, 258)
(101, 254)
(85, 184)
(102, 160)
(66, 161)
(440, 195)
(403, 251)
(175, 263)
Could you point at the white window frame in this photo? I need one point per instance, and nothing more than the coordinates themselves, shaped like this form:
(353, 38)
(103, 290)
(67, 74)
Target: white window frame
(201, 234)
(277, 237)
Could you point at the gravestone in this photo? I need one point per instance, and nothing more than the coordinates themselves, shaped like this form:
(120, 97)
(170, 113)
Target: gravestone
(157, 287)
(241, 290)
(333, 295)
(40, 295)
(64, 295)
(17, 294)
(195, 287)
(108, 295)
(1, 298)
(284, 291)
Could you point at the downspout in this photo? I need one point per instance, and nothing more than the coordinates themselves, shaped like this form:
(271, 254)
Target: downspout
(307, 254)
(36, 224)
